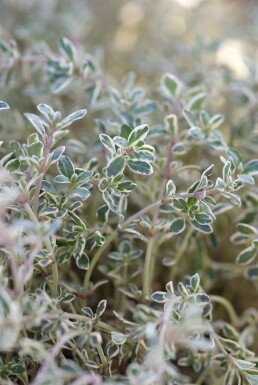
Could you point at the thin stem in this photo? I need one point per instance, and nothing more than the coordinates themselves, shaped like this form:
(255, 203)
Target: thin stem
(141, 212)
(147, 270)
(227, 305)
(182, 248)
(37, 193)
(96, 257)
(14, 270)
(121, 298)
(43, 169)
(149, 264)
(54, 286)
(79, 354)
(184, 244)
(219, 344)
(54, 279)
(101, 355)
(101, 325)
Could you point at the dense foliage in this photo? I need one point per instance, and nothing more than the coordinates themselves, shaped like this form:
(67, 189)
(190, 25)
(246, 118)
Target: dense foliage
(128, 221)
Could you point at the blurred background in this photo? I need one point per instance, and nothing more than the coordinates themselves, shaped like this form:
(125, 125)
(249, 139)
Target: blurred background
(213, 42)
(143, 35)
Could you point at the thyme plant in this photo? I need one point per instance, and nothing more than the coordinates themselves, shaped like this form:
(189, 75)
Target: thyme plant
(107, 238)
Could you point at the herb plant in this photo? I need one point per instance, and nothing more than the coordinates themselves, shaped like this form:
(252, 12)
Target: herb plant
(109, 236)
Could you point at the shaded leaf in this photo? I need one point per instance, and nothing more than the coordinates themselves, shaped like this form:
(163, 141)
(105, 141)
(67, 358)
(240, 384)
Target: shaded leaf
(140, 167)
(115, 166)
(177, 226)
(66, 167)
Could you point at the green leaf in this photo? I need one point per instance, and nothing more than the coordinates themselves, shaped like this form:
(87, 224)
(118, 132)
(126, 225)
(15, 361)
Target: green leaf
(177, 226)
(47, 111)
(190, 118)
(204, 118)
(221, 208)
(56, 154)
(112, 351)
(81, 192)
(170, 288)
(239, 239)
(171, 123)
(182, 289)
(172, 84)
(100, 239)
(230, 345)
(196, 102)
(235, 156)
(16, 148)
(61, 179)
(4, 106)
(145, 156)
(109, 199)
(120, 142)
(138, 134)
(18, 369)
(252, 377)
(216, 121)
(66, 298)
(83, 262)
(234, 198)
(202, 228)
(246, 256)
(146, 108)
(92, 364)
(102, 214)
(65, 166)
(71, 118)
(170, 189)
(252, 272)
(76, 219)
(196, 133)
(202, 298)
(251, 167)
(68, 49)
(87, 310)
(226, 171)
(126, 186)
(32, 138)
(180, 204)
(83, 175)
(244, 228)
(115, 166)
(118, 338)
(179, 148)
(37, 123)
(107, 143)
(208, 171)
(12, 164)
(101, 307)
(203, 218)
(195, 282)
(36, 149)
(159, 296)
(61, 83)
(230, 332)
(245, 365)
(126, 131)
(49, 188)
(246, 178)
(140, 167)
